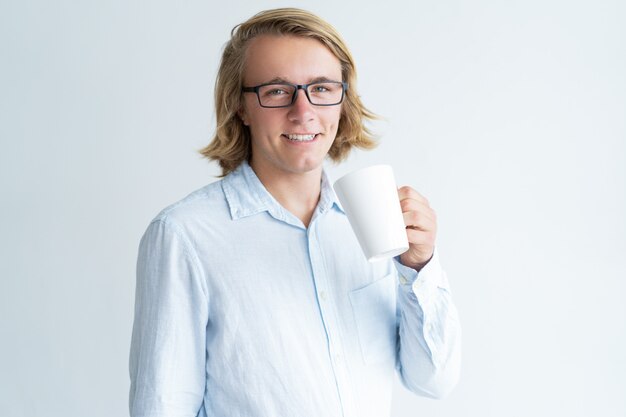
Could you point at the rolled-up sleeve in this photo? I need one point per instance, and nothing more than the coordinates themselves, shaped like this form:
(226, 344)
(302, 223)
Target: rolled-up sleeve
(429, 356)
(168, 346)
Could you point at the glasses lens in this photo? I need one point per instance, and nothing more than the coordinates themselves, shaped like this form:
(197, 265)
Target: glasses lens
(276, 95)
(326, 93)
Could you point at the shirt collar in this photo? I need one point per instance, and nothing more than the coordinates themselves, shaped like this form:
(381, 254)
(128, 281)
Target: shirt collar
(328, 198)
(246, 195)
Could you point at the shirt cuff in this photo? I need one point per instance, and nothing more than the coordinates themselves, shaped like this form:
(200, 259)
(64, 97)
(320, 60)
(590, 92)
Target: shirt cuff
(428, 279)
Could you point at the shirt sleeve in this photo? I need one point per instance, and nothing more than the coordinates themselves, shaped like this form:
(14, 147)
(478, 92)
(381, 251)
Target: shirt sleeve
(168, 346)
(429, 351)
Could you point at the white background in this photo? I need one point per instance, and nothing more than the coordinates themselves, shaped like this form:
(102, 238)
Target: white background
(509, 116)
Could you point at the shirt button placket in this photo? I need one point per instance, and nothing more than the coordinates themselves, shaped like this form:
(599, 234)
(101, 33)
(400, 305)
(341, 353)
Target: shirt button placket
(330, 321)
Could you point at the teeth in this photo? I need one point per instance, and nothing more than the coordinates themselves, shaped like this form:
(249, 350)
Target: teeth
(301, 138)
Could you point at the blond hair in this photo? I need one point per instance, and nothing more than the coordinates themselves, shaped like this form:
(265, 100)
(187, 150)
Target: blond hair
(231, 144)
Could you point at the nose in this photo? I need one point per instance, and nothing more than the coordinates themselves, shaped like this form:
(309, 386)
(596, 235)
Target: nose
(302, 110)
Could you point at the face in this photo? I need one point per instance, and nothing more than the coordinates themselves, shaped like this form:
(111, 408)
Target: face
(276, 149)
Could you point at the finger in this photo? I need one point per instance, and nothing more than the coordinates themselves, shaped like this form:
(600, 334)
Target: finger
(415, 220)
(413, 205)
(408, 192)
(418, 216)
(419, 237)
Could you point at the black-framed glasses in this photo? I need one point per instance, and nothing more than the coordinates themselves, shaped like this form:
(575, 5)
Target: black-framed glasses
(319, 93)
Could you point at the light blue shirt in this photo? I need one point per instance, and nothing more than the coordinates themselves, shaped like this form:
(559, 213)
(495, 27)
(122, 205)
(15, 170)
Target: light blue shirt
(241, 310)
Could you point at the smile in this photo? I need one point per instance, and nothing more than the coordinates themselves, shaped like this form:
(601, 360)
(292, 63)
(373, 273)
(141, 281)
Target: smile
(301, 138)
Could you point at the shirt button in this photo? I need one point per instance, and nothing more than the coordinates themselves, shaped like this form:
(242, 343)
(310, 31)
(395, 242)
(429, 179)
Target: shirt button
(403, 279)
(323, 295)
(417, 284)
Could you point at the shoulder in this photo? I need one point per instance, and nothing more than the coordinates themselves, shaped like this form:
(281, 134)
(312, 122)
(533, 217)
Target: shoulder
(202, 206)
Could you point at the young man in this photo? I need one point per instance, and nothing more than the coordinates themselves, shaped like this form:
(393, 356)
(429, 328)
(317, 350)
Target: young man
(253, 297)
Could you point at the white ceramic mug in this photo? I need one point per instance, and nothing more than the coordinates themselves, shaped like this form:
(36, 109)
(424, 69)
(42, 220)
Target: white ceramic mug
(369, 197)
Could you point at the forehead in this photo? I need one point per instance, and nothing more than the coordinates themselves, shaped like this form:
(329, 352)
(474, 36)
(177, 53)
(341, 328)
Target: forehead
(291, 58)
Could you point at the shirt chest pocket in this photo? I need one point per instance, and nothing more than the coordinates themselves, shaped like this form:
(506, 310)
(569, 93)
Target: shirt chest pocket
(374, 308)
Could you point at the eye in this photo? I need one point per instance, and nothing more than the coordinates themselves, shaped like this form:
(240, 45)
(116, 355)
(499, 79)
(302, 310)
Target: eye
(319, 88)
(276, 92)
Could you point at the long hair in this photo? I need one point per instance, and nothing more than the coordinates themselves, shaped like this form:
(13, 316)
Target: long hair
(231, 143)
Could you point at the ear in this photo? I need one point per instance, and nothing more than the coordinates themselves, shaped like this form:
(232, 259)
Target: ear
(242, 115)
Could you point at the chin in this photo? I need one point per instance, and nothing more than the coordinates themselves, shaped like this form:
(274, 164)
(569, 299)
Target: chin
(305, 166)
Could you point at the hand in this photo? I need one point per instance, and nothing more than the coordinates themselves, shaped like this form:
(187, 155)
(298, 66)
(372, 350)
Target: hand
(421, 228)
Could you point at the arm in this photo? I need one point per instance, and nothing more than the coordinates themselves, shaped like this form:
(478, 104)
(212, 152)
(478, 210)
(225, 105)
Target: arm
(429, 338)
(429, 333)
(167, 354)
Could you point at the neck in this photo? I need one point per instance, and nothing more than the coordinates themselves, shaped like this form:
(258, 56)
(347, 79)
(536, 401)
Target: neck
(299, 193)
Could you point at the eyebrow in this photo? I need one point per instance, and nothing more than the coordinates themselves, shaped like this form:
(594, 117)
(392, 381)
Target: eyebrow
(278, 80)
